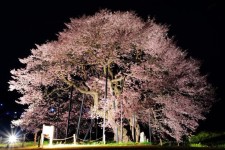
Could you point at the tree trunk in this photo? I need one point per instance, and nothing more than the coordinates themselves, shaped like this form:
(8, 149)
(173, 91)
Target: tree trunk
(35, 138)
(149, 128)
(68, 120)
(137, 132)
(135, 129)
(117, 138)
(96, 129)
(92, 122)
(78, 126)
(121, 121)
(105, 98)
(133, 126)
(125, 137)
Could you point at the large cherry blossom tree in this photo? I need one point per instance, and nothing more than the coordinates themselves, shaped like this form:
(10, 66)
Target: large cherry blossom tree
(150, 81)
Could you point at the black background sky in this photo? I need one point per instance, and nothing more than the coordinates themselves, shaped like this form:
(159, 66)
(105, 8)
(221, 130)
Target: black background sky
(196, 25)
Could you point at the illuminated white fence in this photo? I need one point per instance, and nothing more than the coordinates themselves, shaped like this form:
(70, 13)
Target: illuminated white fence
(48, 132)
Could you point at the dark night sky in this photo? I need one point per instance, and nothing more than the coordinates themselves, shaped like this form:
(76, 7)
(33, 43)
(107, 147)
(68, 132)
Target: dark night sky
(196, 25)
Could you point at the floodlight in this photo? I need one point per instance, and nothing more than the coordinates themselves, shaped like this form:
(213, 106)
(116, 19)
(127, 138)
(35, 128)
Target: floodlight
(12, 139)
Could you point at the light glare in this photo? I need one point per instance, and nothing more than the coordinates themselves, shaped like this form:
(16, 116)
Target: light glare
(12, 139)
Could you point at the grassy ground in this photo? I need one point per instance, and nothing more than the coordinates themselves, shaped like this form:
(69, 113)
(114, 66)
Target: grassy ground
(120, 146)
